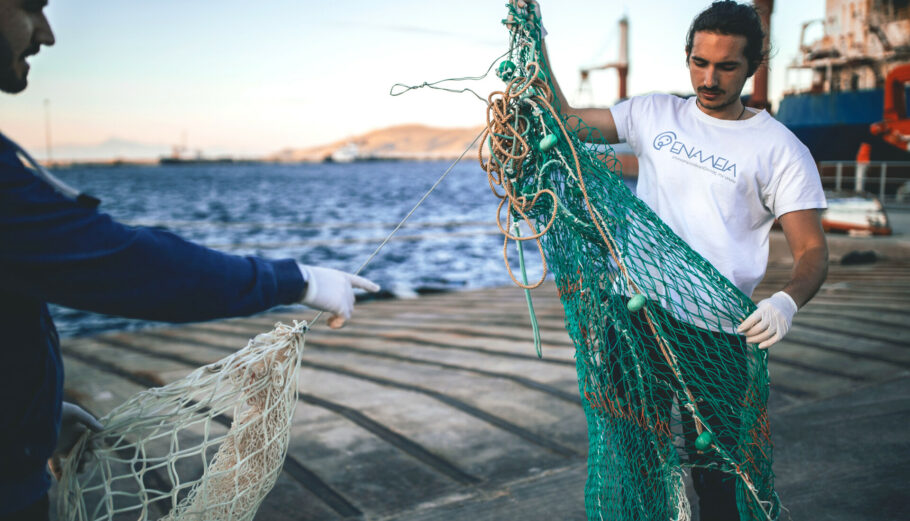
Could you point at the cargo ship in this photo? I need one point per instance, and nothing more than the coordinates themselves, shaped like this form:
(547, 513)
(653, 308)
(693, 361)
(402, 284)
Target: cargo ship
(858, 75)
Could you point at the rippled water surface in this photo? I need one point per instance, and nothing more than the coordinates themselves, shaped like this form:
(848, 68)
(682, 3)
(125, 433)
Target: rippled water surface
(331, 215)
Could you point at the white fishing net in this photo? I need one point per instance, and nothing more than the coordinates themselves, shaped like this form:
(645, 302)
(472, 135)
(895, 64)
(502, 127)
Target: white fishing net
(173, 453)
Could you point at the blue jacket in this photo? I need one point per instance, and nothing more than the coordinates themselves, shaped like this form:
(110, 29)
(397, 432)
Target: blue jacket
(57, 249)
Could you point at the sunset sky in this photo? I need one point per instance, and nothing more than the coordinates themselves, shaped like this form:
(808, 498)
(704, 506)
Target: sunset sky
(250, 78)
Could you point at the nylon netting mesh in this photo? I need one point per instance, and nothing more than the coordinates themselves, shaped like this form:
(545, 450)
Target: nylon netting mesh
(664, 383)
(209, 446)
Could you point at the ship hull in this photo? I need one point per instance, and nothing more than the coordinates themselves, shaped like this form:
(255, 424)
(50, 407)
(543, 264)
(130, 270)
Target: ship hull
(834, 125)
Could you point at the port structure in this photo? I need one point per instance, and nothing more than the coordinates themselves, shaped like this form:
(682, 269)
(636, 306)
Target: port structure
(895, 125)
(585, 92)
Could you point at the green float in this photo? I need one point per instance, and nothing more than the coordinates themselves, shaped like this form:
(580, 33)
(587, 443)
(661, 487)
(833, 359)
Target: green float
(506, 70)
(548, 142)
(636, 302)
(703, 441)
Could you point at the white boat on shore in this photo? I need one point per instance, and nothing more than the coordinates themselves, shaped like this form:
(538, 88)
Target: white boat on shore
(855, 213)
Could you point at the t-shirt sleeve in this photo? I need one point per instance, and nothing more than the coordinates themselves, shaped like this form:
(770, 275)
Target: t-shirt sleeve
(623, 120)
(797, 186)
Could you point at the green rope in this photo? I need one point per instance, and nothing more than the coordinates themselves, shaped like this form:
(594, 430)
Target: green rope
(535, 327)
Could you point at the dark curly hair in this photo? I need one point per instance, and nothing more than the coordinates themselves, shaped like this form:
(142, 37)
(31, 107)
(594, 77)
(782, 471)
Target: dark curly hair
(728, 17)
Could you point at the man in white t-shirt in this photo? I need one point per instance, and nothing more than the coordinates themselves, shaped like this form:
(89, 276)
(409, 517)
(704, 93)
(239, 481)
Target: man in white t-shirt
(719, 173)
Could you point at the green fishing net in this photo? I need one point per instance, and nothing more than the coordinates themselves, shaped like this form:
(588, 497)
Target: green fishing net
(665, 383)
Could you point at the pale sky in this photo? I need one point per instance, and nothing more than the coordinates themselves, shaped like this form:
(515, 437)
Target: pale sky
(251, 78)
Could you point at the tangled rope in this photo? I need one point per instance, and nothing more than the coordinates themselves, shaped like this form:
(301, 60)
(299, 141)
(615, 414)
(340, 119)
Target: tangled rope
(504, 135)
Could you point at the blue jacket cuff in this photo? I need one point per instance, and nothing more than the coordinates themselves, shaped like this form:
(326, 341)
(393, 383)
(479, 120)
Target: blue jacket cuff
(290, 281)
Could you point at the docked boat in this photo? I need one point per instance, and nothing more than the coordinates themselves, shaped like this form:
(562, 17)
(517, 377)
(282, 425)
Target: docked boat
(855, 213)
(346, 154)
(858, 89)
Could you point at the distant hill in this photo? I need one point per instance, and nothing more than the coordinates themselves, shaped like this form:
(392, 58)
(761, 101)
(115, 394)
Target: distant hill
(399, 142)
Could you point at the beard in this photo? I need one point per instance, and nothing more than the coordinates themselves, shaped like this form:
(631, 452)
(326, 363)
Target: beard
(10, 81)
(718, 104)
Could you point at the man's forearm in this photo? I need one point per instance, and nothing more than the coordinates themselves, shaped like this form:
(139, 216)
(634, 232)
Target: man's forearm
(598, 118)
(806, 239)
(773, 316)
(809, 272)
(557, 90)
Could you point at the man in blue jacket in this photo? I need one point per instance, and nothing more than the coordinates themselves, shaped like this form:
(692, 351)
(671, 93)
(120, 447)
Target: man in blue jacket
(56, 247)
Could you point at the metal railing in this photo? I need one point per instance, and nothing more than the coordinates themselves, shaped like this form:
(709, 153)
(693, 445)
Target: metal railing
(889, 180)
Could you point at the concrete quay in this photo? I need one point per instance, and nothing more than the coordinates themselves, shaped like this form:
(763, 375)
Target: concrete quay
(437, 408)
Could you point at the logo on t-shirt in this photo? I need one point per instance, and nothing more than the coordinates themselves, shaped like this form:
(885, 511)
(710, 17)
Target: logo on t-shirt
(695, 156)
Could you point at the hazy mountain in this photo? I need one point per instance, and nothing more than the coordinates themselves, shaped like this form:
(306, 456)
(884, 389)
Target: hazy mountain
(399, 142)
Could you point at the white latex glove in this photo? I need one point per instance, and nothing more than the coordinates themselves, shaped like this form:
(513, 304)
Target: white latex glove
(74, 422)
(333, 291)
(770, 322)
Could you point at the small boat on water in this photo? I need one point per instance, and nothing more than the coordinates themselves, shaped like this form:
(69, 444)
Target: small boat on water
(345, 154)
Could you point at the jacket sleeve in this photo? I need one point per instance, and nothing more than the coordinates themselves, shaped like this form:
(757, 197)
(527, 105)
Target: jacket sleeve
(57, 250)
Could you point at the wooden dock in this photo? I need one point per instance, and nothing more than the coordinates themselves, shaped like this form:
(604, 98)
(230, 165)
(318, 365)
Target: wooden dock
(437, 408)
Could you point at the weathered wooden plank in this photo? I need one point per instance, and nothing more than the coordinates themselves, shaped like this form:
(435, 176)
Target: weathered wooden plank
(475, 446)
(817, 361)
(857, 348)
(544, 495)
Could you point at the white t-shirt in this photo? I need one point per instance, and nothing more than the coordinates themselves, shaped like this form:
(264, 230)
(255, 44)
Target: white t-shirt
(718, 184)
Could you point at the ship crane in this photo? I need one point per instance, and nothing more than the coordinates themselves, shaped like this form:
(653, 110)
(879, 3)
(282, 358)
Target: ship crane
(895, 125)
(621, 66)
